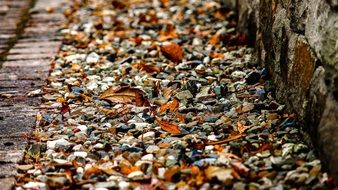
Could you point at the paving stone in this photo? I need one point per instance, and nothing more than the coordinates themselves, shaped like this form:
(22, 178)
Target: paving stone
(8, 170)
(13, 156)
(16, 124)
(7, 183)
(29, 56)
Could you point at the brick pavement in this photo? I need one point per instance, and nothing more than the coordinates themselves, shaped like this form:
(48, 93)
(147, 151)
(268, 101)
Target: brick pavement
(28, 43)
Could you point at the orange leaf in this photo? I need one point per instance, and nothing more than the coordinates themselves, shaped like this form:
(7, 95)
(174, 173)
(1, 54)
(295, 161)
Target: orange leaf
(173, 52)
(172, 106)
(149, 68)
(241, 128)
(180, 118)
(124, 95)
(231, 138)
(170, 172)
(216, 55)
(171, 128)
(214, 39)
(92, 170)
(169, 32)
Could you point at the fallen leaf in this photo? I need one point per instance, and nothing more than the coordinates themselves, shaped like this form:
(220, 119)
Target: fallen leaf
(171, 128)
(167, 33)
(149, 68)
(231, 138)
(170, 173)
(173, 52)
(124, 95)
(180, 118)
(221, 174)
(90, 171)
(138, 40)
(241, 128)
(214, 39)
(75, 67)
(171, 106)
(167, 92)
(216, 55)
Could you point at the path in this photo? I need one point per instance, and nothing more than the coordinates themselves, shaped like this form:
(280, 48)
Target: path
(28, 43)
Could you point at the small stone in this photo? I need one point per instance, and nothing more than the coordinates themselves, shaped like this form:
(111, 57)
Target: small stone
(92, 58)
(82, 128)
(148, 157)
(136, 175)
(34, 185)
(77, 147)
(81, 154)
(24, 167)
(152, 149)
(247, 107)
(60, 143)
(184, 95)
(238, 74)
(57, 182)
(98, 146)
(148, 136)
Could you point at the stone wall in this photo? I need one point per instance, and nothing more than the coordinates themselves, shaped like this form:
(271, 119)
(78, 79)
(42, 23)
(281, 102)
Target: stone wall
(297, 40)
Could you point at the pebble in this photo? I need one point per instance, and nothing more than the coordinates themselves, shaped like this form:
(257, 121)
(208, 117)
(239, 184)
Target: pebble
(60, 143)
(80, 154)
(92, 57)
(152, 149)
(148, 157)
(35, 185)
(136, 175)
(184, 95)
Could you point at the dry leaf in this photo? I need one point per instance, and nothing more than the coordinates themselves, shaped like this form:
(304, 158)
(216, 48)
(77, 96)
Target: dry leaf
(166, 126)
(149, 68)
(170, 173)
(231, 138)
(167, 92)
(216, 55)
(173, 52)
(124, 95)
(167, 33)
(90, 171)
(241, 128)
(180, 118)
(214, 39)
(171, 106)
(75, 67)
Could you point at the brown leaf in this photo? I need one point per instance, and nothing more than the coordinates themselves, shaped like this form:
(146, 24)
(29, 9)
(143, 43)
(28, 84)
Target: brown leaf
(171, 128)
(180, 118)
(216, 55)
(214, 39)
(90, 171)
(231, 138)
(149, 68)
(172, 106)
(241, 128)
(124, 95)
(170, 173)
(167, 33)
(173, 52)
